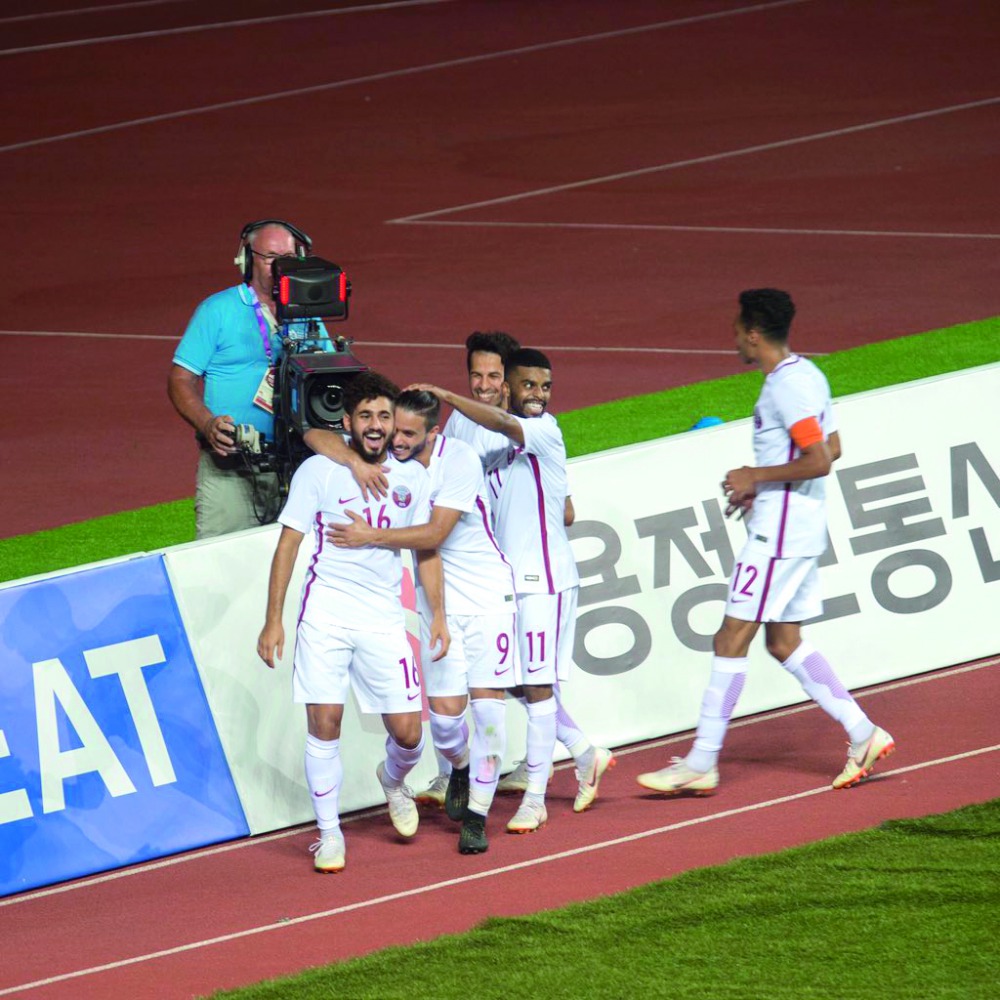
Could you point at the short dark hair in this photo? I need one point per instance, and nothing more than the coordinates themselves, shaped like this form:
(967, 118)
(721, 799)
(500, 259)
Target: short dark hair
(768, 310)
(490, 342)
(368, 385)
(420, 403)
(525, 357)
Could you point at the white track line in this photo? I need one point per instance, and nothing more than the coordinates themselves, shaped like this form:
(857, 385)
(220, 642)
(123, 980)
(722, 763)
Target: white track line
(191, 28)
(394, 74)
(393, 343)
(753, 720)
(79, 11)
(477, 876)
(734, 230)
(765, 147)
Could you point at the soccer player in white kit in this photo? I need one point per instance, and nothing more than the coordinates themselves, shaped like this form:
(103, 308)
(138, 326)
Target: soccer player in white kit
(479, 606)
(528, 490)
(776, 580)
(351, 629)
(486, 355)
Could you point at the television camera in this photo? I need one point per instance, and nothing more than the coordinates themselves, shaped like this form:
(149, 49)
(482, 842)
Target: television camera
(310, 378)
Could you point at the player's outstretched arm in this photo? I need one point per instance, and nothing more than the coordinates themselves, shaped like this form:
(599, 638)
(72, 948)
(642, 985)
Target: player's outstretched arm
(271, 642)
(490, 417)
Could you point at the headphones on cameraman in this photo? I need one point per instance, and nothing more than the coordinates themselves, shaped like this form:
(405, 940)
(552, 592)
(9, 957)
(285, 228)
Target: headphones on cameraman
(244, 257)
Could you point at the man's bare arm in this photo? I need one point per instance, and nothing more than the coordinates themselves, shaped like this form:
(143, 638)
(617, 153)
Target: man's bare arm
(490, 417)
(187, 392)
(419, 536)
(271, 642)
(431, 575)
(369, 476)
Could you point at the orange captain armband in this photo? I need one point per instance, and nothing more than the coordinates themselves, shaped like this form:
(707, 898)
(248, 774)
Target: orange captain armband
(806, 432)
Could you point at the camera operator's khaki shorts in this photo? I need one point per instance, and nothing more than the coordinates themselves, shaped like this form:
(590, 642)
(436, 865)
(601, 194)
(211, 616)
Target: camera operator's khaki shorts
(225, 495)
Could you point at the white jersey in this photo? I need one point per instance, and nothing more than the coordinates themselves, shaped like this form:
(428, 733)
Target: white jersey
(354, 588)
(478, 580)
(789, 519)
(490, 446)
(528, 491)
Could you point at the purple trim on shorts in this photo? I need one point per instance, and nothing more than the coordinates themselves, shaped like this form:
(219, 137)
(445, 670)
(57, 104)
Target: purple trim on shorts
(732, 695)
(537, 471)
(819, 670)
(311, 572)
(558, 636)
(759, 616)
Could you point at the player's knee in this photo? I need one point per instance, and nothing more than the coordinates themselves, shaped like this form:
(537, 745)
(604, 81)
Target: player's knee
(408, 733)
(780, 647)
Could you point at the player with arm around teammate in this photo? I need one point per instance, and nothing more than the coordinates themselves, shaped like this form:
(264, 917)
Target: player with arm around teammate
(486, 356)
(775, 580)
(480, 604)
(351, 628)
(528, 490)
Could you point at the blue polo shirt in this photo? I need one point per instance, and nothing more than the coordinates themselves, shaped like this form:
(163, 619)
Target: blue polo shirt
(224, 344)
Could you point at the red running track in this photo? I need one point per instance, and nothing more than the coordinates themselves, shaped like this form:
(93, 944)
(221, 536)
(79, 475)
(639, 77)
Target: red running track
(238, 913)
(601, 179)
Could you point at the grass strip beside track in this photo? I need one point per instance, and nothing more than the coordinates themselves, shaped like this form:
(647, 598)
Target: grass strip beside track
(596, 428)
(905, 910)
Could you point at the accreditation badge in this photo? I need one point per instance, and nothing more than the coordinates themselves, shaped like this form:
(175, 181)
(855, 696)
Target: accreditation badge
(264, 397)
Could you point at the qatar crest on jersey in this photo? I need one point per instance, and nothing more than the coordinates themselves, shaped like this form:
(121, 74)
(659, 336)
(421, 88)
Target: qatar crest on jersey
(401, 496)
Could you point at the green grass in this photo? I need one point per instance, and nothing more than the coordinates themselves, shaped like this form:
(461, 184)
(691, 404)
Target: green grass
(596, 428)
(905, 910)
(873, 366)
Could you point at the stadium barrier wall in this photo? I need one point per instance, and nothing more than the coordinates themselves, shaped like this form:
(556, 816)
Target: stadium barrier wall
(136, 720)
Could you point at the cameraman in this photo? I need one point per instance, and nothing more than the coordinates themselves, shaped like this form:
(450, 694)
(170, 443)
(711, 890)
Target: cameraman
(223, 374)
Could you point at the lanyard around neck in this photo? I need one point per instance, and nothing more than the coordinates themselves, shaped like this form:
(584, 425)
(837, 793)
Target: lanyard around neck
(262, 323)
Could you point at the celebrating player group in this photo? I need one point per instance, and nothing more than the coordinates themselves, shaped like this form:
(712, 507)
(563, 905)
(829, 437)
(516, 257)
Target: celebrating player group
(484, 503)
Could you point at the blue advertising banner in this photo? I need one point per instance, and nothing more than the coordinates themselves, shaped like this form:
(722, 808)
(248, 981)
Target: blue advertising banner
(108, 751)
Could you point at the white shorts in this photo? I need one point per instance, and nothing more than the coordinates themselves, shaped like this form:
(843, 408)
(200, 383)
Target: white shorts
(380, 666)
(546, 628)
(765, 589)
(482, 654)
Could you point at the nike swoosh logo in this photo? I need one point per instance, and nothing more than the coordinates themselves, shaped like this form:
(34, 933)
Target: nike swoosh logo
(500, 673)
(534, 670)
(320, 795)
(349, 499)
(410, 697)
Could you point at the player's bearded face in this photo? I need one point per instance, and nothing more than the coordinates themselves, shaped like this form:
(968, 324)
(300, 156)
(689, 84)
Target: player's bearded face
(410, 436)
(370, 427)
(530, 391)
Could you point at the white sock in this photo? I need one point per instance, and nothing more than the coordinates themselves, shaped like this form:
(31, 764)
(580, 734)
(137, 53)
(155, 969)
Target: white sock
(450, 734)
(570, 736)
(724, 687)
(399, 761)
(444, 765)
(541, 744)
(488, 744)
(324, 774)
(811, 669)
